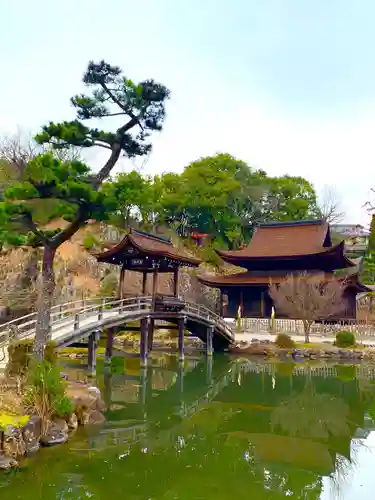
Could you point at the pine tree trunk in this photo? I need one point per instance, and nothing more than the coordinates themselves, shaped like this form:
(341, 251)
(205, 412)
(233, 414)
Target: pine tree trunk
(45, 301)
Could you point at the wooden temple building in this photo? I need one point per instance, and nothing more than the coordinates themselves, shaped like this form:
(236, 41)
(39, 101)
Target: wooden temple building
(149, 255)
(275, 251)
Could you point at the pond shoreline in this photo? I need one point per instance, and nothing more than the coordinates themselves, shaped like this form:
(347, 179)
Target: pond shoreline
(19, 439)
(323, 351)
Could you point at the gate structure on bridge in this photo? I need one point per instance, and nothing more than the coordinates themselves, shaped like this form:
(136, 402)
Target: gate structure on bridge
(150, 255)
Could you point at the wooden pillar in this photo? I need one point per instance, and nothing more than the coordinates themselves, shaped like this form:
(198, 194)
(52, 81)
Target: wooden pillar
(151, 329)
(120, 291)
(154, 287)
(175, 282)
(93, 347)
(144, 341)
(144, 283)
(181, 338)
(109, 347)
(209, 343)
(221, 304)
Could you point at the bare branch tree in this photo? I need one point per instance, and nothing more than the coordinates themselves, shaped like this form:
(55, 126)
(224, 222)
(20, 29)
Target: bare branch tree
(330, 206)
(18, 149)
(308, 298)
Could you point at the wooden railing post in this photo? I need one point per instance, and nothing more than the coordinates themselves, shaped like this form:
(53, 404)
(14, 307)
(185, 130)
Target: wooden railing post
(76, 321)
(100, 312)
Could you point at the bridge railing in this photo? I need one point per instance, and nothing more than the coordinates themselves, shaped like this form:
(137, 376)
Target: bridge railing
(61, 315)
(80, 313)
(205, 313)
(95, 314)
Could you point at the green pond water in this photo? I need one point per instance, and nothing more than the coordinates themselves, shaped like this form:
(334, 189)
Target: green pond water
(230, 428)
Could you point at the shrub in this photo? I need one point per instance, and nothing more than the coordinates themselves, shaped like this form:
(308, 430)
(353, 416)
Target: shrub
(50, 352)
(19, 356)
(345, 339)
(63, 406)
(20, 353)
(89, 242)
(285, 341)
(14, 421)
(47, 393)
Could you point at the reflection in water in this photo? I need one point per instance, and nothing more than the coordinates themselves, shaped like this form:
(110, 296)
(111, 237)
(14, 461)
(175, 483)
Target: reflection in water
(212, 429)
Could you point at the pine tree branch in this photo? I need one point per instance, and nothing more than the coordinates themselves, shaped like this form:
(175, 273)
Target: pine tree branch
(27, 221)
(101, 145)
(72, 228)
(115, 155)
(119, 103)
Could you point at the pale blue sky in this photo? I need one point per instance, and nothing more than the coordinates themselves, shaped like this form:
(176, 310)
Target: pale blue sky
(287, 85)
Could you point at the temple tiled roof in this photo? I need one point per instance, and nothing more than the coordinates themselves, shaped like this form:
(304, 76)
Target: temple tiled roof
(251, 278)
(240, 279)
(285, 240)
(147, 244)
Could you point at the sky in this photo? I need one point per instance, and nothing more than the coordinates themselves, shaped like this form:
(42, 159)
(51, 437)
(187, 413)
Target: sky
(286, 85)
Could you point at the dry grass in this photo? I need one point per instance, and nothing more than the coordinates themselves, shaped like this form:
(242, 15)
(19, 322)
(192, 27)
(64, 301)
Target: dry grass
(10, 398)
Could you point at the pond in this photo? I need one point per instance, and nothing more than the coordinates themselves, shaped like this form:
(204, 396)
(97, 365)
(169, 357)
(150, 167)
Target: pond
(230, 428)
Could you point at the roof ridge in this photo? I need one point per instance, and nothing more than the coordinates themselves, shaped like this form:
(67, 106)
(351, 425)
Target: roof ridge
(144, 234)
(311, 222)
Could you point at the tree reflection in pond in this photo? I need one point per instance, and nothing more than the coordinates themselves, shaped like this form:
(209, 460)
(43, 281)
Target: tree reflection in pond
(248, 430)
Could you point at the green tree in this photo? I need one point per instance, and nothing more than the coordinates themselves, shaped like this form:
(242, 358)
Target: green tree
(290, 198)
(132, 196)
(141, 109)
(219, 195)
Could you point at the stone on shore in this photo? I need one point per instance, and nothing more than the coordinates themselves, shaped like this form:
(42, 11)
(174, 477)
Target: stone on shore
(13, 442)
(31, 434)
(7, 463)
(87, 402)
(55, 435)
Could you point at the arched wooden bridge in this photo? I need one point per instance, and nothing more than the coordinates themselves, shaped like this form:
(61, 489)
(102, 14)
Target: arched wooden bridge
(78, 320)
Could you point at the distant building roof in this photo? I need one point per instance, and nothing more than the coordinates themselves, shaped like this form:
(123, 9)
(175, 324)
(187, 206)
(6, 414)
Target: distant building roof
(350, 229)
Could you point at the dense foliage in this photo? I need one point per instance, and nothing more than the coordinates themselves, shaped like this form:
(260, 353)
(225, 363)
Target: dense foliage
(345, 339)
(217, 195)
(285, 341)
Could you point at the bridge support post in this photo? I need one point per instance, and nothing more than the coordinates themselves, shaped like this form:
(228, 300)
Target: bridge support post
(151, 329)
(109, 347)
(144, 341)
(181, 338)
(93, 347)
(209, 343)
